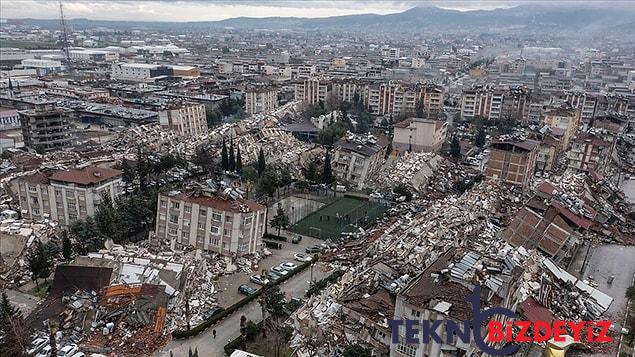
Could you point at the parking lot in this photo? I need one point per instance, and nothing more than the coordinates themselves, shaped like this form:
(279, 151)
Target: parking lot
(228, 285)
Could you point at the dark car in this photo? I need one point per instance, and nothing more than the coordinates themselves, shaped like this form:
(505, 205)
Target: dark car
(296, 239)
(313, 249)
(212, 312)
(272, 276)
(246, 289)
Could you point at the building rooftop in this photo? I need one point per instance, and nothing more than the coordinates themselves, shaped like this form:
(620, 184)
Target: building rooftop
(239, 205)
(86, 176)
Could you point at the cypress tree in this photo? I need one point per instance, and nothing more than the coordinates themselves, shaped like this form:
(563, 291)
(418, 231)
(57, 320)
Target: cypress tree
(232, 158)
(224, 163)
(239, 160)
(327, 174)
(261, 162)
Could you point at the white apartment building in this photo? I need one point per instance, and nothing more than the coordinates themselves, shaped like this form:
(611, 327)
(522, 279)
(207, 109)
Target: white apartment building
(312, 90)
(65, 196)
(261, 100)
(220, 224)
(419, 135)
(187, 119)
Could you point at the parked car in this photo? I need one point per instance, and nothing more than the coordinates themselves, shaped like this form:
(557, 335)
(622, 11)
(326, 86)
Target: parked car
(45, 352)
(79, 354)
(37, 345)
(279, 271)
(297, 239)
(212, 312)
(302, 257)
(257, 279)
(67, 351)
(288, 266)
(272, 276)
(246, 290)
(313, 249)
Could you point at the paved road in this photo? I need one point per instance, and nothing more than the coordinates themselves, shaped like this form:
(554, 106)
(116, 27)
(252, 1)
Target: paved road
(229, 328)
(25, 302)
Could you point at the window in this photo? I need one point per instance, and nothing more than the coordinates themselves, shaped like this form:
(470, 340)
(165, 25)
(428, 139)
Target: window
(172, 231)
(242, 247)
(217, 216)
(215, 241)
(214, 230)
(185, 235)
(416, 313)
(72, 217)
(176, 205)
(36, 211)
(188, 209)
(163, 204)
(58, 192)
(228, 219)
(32, 189)
(203, 212)
(226, 232)
(201, 226)
(70, 194)
(407, 350)
(247, 220)
(174, 218)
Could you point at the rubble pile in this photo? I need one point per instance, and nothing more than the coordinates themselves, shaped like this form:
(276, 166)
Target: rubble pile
(412, 169)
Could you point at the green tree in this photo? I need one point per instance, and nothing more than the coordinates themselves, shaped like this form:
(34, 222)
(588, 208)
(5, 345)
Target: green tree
(86, 236)
(280, 220)
(239, 160)
(273, 302)
(455, 148)
(388, 150)
(67, 246)
(261, 162)
(14, 331)
(268, 183)
(224, 161)
(128, 174)
(327, 174)
(204, 159)
(232, 158)
(479, 140)
(419, 112)
(311, 172)
(630, 293)
(105, 218)
(356, 351)
(39, 263)
(285, 178)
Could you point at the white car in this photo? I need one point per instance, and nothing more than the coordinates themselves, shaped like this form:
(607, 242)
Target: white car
(279, 271)
(67, 351)
(288, 266)
(45, 352)
(302, 257)
(259, 280)
(79, 354)
(38, 344)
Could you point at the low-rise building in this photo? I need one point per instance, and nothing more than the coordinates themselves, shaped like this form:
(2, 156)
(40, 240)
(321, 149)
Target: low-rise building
(512, 162)
(419, 135)
(9, 119)
(43, 67)
(187, 119)
(229, 226)
(65, 196)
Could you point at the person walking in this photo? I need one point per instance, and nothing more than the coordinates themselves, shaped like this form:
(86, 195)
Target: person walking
(214, 333)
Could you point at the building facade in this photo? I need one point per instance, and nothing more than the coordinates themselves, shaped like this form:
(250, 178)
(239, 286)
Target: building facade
(512, 162)
(356, 159)
(589, 152)
(419, 135)
(65, 196)
(565, 118)
(187, 119)
(261, 100)
(46, 128)
(210, 222)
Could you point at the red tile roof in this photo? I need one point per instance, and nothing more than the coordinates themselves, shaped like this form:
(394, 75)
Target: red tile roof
(87, 176)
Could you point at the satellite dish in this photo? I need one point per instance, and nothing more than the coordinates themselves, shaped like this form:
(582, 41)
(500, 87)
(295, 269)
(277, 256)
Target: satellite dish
(109, 244)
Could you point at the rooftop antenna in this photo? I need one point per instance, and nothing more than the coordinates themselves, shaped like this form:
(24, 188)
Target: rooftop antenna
(67, 56)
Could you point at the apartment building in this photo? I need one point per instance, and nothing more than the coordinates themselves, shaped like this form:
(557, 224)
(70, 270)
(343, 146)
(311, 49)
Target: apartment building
(9, 119)
(565, 118)
(512, 162)
(357, 158)
(46, 128)
(187, 119)
(590, 152)
(229, 226)
(65, 196)
(494, 103)
(419, 135)
(312, 90)
(261, 100)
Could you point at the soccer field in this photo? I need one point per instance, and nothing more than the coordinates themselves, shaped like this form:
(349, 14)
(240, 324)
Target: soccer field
(343, 215)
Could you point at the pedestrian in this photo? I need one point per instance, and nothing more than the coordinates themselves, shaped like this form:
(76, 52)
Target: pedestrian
(214, 333)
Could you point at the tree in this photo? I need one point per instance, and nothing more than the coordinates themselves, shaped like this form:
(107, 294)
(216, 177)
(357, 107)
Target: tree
(106, 217)
(479, 140)
(39, 263)
(86, 236)
(285, 178)
(16, 334)
(272, 301)
(52, 342)
(261, 162)
(419, 110)
(311, 172)
(268, 183)
(630, 293)
(402, 190)
(327, 174)
(239, 160)
(204, 159)
(67, 247)
(224, 161)
(280, 220)
(356, 351)
(128, 174)
(232, 158)
(388, 150)
(455, 148)
(193, 354)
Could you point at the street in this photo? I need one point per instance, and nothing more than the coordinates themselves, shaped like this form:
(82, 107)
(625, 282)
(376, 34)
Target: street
(229, 328)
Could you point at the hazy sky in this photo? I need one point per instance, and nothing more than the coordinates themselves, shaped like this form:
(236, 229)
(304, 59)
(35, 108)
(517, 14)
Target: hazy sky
(157, 10)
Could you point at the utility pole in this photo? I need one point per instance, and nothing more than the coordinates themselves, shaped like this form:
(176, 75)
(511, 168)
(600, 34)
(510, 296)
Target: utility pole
(67, 56)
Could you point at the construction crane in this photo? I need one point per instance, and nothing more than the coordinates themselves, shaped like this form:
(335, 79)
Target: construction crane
(67, 56)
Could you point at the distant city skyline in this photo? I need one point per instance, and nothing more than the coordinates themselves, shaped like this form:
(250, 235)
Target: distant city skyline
(180, 11)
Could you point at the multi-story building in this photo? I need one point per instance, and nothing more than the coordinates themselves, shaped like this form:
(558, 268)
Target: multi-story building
(312, 90)
(512, 162)
(46, 128)
(229, 226)
(187, 119)
(9, 119)
(494, 103)
(65, 196)
(589, 152)
(355, 158)
(565, 118)
(261, 100)
(419, 135)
